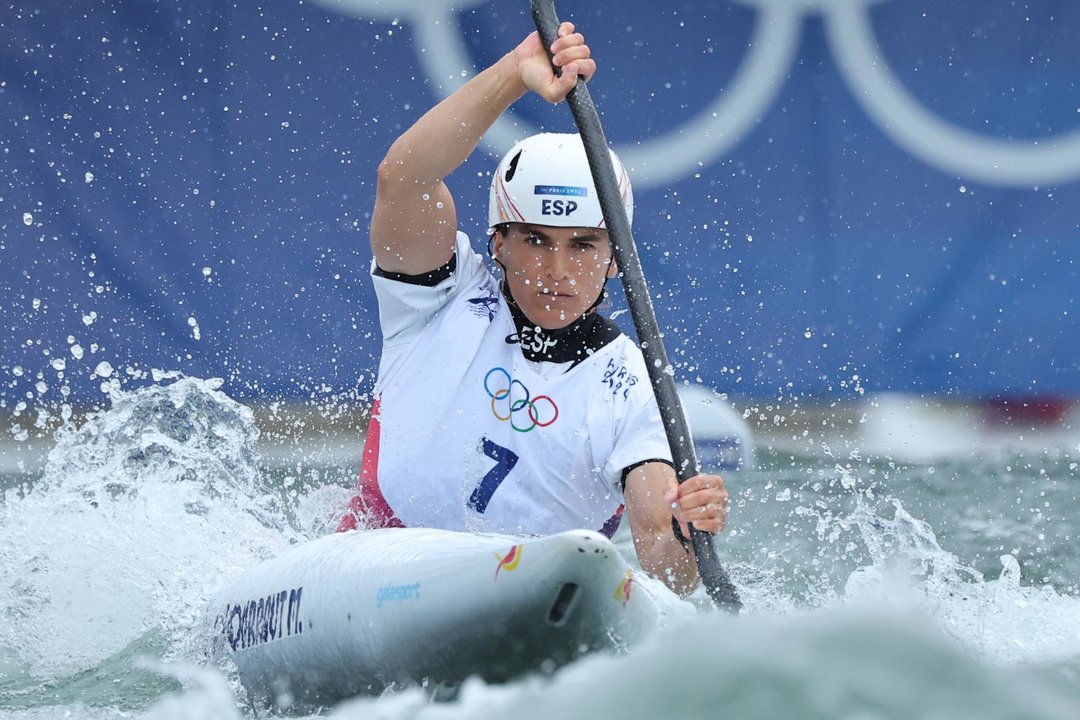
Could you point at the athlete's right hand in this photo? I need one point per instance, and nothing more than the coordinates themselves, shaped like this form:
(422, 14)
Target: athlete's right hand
(569, 53)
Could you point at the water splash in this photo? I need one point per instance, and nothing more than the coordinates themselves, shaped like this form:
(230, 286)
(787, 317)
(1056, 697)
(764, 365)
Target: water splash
(145, 508)
(138, 515)
(904, 555)
(188, 434)
(1001, 619)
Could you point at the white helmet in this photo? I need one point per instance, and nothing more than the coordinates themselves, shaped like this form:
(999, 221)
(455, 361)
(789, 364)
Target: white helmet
(545, 180)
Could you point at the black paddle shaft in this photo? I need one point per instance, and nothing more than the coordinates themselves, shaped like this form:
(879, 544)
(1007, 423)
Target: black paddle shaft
(716, 580)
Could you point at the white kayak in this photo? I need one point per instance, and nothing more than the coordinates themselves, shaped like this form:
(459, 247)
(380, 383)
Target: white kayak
(357, 612)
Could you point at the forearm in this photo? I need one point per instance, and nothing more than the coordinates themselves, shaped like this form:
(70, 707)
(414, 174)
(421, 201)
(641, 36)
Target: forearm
(654, 497)
(659, 551)
(663, 556)
(446, 135)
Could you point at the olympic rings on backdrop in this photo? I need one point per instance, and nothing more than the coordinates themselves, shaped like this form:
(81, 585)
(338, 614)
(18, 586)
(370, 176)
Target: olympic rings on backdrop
(738, 107)
(509, 397)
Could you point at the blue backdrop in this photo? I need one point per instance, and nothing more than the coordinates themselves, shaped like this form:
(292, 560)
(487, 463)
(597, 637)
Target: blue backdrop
(884, 189)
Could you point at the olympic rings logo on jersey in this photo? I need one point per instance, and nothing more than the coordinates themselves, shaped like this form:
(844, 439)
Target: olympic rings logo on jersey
(509, 397)
(754, 87)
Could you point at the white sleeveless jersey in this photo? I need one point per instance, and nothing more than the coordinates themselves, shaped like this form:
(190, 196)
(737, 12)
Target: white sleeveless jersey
(467, 434)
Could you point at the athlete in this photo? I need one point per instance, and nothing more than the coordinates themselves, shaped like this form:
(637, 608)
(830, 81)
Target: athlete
(509, 404)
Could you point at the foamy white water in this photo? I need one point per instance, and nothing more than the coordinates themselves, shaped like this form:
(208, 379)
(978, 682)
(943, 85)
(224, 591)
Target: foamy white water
(108, 560)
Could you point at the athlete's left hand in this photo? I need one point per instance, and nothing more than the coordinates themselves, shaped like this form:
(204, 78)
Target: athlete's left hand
(701, 500)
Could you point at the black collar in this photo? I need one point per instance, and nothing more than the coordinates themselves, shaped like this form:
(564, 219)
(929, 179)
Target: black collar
(572, 343)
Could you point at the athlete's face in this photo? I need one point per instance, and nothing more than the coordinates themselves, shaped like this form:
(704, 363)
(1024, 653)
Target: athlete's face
(555, 274)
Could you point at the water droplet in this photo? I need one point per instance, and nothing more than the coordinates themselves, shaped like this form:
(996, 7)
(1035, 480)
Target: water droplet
(89, 177)
(28, 219)
(103, 369)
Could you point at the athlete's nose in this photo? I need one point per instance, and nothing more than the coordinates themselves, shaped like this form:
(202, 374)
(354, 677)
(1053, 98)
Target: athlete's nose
(558, 264)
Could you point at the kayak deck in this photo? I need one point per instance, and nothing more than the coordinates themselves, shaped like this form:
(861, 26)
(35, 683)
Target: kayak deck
(358, 612)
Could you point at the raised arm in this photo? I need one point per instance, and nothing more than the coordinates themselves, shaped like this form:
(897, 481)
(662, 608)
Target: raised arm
(415, 221)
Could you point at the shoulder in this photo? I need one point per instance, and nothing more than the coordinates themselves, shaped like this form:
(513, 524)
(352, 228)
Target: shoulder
(408, 304)
(462, 274)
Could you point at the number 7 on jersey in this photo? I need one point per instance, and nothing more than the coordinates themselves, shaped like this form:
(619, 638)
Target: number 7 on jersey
(505, 460)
